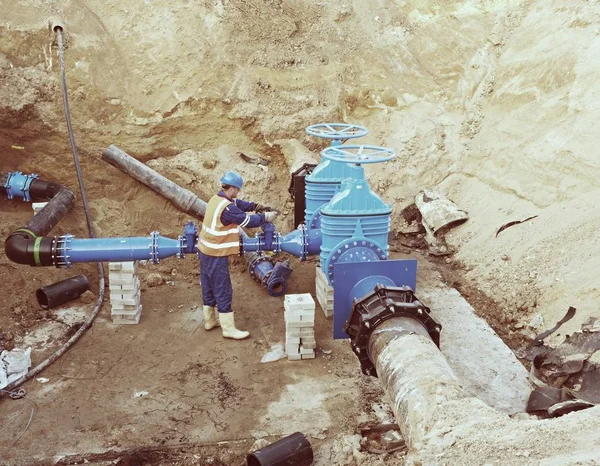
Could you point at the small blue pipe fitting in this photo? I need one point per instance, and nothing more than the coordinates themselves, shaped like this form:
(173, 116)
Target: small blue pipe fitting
(17, 185)
(190, 234)
(272, 277)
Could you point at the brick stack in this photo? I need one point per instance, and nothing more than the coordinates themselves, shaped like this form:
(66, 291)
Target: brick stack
(124, 285)
(299, 326)
(324, 293)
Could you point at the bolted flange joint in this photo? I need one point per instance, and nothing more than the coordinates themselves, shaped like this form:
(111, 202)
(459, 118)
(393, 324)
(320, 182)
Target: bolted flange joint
(382, 304)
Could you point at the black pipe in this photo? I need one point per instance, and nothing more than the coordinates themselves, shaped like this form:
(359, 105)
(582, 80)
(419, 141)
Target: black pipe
(180, 197)
(3, 178)
(61, 292)
(28, 245)
(293, 450)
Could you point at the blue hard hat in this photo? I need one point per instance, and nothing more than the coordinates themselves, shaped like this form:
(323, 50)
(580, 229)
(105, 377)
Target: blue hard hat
(232, 178)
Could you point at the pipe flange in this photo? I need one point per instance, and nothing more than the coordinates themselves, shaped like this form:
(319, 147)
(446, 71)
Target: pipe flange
(254, 263)
(28, 180)
(304, 239)
(181, 246)
(18, 177)
(154, 247)
(62, 247)
(354, 250)
(382, 304)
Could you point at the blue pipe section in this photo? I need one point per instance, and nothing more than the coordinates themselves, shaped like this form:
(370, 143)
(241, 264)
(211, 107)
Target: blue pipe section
(272, 276)
(262, 268)
(153, 248)
(300, 242)
(17, 185)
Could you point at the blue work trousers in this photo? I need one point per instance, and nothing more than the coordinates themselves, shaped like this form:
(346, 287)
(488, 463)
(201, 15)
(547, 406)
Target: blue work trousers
(215, 282)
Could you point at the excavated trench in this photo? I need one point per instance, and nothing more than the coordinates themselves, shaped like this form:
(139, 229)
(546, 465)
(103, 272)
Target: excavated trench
(495, 113)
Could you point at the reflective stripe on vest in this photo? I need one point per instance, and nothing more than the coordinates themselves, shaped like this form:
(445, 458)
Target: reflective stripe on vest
(217, 239)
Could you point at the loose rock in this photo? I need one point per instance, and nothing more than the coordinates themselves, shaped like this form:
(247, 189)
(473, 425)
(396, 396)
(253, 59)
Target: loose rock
(154, 279)
(87, 297)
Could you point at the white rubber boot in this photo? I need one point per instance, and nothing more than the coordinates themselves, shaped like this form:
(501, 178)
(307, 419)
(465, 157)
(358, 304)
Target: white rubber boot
(228, 327)
(210, 317)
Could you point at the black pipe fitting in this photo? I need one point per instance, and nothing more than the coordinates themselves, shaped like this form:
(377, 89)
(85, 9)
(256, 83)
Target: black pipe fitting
(61, 292)
(293, 450)
(25, 248)
(382, 304)
(28, 245)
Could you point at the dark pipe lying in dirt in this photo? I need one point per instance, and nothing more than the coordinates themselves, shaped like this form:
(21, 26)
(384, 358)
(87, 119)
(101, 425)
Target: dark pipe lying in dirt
(293, 450)
(182, 198)
(62, 292)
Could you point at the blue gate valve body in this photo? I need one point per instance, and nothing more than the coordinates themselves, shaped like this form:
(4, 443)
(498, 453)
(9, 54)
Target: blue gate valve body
(325, 180)
(355, 224)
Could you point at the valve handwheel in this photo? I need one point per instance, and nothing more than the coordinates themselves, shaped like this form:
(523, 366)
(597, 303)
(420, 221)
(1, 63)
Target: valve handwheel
(337, 131)
(359, 154)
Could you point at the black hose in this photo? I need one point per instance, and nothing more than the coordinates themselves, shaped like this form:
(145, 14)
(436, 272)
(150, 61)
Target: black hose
(40, 367)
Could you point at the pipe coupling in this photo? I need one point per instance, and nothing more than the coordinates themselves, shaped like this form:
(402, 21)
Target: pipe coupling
(382, 304)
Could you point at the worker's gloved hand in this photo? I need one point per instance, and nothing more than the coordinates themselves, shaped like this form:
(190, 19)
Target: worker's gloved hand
(263, 208)
(270, 216)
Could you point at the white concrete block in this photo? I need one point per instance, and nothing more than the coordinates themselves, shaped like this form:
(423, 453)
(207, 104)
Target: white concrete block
(298, 316)
(294, 357)
(294, 302)
(121, 276)
(120, 299)
(126, 285)
(308, 345)
(300, 324)
(37, 206)
(126, 310)
(129, 281)
(292, 348)
(305, 350)
(308, 356)
(123, 266)
(126, 320)
(324, 293)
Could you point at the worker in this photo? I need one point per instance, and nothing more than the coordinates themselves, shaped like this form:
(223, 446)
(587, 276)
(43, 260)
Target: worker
(219, 239)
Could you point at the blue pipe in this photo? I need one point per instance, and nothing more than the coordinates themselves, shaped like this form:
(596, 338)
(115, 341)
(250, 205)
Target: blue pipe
(152, 248)
(300, 242)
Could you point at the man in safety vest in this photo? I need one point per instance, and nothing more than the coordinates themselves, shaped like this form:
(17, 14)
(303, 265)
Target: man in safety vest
(219, 239)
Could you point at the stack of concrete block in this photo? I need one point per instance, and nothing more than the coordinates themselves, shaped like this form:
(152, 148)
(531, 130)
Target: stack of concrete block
(299, 326)
(37, 206)
(324, 292)
(124, 285)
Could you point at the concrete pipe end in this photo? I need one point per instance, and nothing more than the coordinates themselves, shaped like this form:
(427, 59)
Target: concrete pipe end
(56, 22)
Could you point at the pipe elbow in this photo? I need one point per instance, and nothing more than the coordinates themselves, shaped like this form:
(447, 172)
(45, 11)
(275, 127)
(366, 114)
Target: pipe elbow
(16, 248)
(23, 248)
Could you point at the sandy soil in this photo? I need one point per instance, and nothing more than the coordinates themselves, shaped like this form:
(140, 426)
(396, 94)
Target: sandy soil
(493, 103)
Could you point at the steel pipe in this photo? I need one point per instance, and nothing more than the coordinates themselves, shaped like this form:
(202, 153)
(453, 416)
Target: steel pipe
(182, 198)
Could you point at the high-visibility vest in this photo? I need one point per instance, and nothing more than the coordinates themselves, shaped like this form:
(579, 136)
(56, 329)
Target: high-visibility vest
(216, 239)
